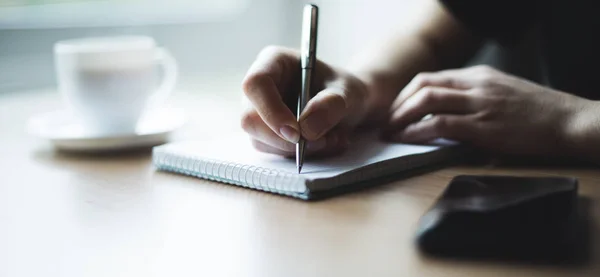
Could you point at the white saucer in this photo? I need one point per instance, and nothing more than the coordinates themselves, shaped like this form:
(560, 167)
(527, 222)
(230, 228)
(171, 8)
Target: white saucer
(63, 130)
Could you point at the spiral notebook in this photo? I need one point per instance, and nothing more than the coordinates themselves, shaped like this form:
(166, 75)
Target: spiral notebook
(234, 161)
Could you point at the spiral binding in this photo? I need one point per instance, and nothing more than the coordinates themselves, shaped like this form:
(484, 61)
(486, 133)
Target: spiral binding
(231, 173)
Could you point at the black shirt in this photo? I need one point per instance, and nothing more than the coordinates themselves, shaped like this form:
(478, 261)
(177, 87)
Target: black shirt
(568, 34)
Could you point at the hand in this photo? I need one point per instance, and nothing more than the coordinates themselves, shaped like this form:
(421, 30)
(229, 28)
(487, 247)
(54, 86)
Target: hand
(272, 85)
(487, 108)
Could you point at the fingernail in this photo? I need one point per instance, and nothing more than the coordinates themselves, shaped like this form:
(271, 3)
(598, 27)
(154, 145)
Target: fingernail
(315, 124)
(290, 134)
(317, 144)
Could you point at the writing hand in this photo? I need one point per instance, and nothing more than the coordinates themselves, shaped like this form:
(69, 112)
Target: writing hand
(272, 85)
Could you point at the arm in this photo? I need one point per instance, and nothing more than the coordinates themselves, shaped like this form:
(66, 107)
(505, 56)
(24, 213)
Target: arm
(499, 112)
(437, 41)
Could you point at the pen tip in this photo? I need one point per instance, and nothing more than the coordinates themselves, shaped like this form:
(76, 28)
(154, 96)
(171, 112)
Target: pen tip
(299, 169)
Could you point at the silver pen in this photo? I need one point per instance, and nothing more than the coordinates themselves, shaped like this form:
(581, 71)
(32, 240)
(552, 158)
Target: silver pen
(308, 54)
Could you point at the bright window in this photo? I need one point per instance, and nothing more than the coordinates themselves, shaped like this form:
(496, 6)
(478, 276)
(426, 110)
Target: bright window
(89, 13)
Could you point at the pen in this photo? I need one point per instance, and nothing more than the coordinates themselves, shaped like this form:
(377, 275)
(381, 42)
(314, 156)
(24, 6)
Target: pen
(308, 53)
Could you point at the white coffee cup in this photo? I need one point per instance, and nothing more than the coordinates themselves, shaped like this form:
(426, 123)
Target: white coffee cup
(110, 82)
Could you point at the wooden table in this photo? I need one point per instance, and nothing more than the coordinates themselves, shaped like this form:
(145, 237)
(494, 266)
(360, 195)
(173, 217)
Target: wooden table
(113, 215)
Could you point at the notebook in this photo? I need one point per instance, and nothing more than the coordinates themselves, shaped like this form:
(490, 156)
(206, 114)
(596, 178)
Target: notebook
(236, 162)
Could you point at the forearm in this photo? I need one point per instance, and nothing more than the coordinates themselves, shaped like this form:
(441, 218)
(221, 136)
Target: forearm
(388, 68)
(436, 41)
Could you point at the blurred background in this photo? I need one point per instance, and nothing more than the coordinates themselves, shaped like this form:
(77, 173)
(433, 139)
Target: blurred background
(213, 40)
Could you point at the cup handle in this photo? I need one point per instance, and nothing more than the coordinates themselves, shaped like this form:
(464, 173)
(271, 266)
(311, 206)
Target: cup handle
(169, 80)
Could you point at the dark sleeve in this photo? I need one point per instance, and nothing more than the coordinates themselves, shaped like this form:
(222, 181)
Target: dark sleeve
(502, 20)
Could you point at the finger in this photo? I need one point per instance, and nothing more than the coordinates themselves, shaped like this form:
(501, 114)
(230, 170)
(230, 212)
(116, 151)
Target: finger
(328, 108)
(425, 79)
(259, 131)
(265, 148)
(337, 142)
(432, 100)
(263, 85)
(453, 127)
(464, 78)
(331, 144)
(254, 126)
(318, 147)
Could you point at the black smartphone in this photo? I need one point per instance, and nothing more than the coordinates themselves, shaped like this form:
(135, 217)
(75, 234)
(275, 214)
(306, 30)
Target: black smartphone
(505, 218)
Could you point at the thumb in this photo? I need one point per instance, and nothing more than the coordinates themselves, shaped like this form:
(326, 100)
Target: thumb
(327, 109)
